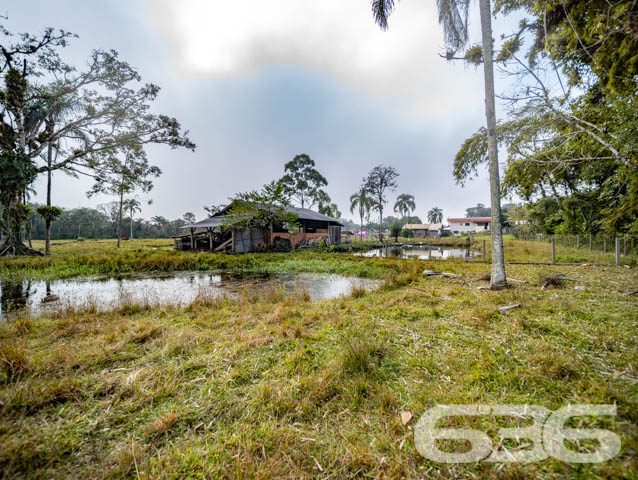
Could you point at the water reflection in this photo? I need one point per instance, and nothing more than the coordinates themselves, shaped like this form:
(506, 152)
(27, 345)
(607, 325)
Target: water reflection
(14, 295)
(180, 288)
(421, 252)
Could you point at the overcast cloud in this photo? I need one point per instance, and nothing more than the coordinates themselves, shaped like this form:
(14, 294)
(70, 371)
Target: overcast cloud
(259, 82)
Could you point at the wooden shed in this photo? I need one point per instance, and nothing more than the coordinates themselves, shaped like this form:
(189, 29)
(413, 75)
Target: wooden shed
(211, 235)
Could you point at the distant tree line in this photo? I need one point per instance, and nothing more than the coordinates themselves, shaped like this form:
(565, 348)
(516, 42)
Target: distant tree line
(101, 222)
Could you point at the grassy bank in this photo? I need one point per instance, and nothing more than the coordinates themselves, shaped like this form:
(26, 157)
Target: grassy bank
(274, 387)
(71, 259)
(101, 257)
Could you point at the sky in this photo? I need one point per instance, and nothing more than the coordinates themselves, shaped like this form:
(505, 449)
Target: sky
(257, 83)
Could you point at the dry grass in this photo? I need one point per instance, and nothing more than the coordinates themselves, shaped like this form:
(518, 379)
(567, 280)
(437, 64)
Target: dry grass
(277, 387)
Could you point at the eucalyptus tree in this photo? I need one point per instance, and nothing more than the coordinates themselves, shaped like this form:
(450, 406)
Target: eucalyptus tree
(110, 114)
(404, 205)
(303, 183)
(380, 180)
(189, 217)
(435, 215)
(453, 16)
(361, 202)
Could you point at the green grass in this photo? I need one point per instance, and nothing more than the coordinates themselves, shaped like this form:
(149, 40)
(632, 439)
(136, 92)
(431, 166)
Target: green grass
(274, 387)
(70, 259)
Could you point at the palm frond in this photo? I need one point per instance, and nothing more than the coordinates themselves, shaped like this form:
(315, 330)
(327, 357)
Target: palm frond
(453, 16)
(381, 10)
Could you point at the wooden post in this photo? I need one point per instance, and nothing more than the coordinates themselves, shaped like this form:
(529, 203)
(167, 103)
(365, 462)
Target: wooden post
(577, 242)
(210, 239)
(553, 250)
(617, 251)
(192, 239)
(484, 252)
(591, 242)
(604, 244)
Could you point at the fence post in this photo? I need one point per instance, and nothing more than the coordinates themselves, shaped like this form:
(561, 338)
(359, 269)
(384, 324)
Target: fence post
(484, 253)
(577, 241)
(591, 242)
(617, 251)
(553, 250)
(604, 244)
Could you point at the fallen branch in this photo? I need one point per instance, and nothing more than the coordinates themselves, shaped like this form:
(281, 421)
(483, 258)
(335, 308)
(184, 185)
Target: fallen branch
(509, 307)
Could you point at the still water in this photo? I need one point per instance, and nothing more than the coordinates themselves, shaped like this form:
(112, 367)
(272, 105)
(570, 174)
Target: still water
(421, 252)
(180, 288)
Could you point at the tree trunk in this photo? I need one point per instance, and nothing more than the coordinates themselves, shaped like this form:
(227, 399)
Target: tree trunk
(47, 237)
(380, 222)
(498, 279)
(47, 233)
(13, 244)
(119, 219)
(131, 236)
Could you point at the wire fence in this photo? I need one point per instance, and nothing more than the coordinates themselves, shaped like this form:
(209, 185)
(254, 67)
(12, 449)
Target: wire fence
(618, 245)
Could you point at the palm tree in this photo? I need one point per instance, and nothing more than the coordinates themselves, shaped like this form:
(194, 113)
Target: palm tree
(453, 16)
(361, 201)
(54, 107)
(404, 205)
(132, 205)
(435, 215)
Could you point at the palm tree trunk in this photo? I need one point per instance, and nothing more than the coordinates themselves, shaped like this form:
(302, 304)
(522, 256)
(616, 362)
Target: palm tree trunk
(498, 279)
(131, 224)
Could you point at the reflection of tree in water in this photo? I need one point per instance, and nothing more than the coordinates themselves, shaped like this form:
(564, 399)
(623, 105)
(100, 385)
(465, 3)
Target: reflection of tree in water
(14, 295)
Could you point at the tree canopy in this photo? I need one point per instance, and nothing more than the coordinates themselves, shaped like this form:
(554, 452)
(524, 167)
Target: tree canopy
(303, 183)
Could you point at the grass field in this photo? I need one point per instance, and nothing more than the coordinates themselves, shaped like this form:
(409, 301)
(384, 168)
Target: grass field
(276, 387)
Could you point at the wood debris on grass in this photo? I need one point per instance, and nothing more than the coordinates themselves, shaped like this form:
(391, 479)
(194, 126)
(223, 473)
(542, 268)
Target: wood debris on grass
(509, 307)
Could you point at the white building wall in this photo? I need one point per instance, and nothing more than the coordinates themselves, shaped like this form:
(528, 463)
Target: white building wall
(461, 228)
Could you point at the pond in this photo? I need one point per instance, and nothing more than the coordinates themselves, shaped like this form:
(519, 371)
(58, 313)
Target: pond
(180, 289)
(421, 252)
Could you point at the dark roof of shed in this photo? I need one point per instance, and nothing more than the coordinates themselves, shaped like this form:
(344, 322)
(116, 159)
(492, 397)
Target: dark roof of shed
(306, 214)
(210, 222)
(302, 213)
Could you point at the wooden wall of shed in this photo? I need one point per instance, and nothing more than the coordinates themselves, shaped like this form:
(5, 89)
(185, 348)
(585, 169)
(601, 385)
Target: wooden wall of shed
(247, 240)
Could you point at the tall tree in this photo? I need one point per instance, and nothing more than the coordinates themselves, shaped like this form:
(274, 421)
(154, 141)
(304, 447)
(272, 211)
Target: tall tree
(380, 180)
(132, 205)
(303, 183)
(453, 16)
(479, 211)
(404, 205)
(189, 217)
(122, 176)
(362, 203)
(110, 114)
(435, 215)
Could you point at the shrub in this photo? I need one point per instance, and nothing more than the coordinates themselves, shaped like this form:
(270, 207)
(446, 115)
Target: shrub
(407, 233)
